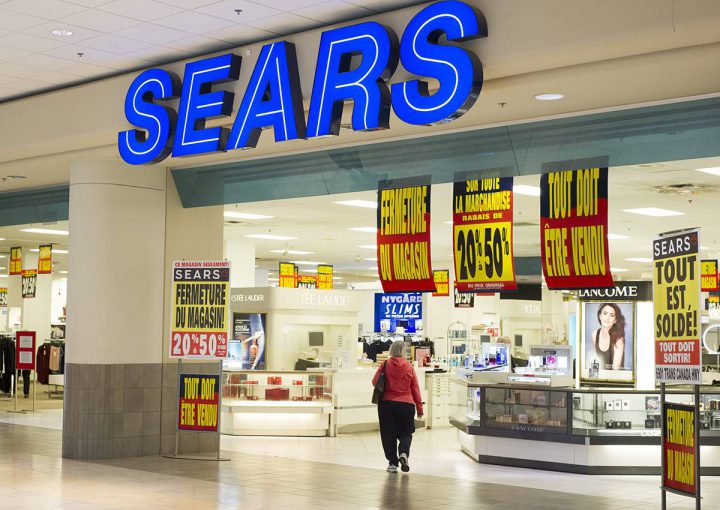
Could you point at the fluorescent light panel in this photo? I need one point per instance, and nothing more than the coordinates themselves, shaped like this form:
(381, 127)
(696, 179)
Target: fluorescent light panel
(617, 236)
(371, 259)
(271, 237)
(523, 189)
(292, 252)
(550, 96)
(245, 216)
(368, 246)
(715, 170)
(306, 262)
(369, 230)
(45, 231)
(367, 204)
(618, 270)
(55, 250)
(653, 211)
(640, 259)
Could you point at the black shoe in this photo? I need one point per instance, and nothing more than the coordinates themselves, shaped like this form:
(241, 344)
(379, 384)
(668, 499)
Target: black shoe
(404, 466)
(27, 396)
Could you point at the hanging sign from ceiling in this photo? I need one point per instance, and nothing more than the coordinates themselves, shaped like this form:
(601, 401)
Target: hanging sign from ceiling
(709, 275)
(403, 235)
(573, 228)
(482, 234)
(273, 97)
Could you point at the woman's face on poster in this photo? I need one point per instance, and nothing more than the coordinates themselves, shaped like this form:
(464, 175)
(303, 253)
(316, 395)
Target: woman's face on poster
(607, 316)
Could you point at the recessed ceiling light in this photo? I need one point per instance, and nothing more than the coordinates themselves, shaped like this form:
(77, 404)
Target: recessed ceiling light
(271, 237)
(368, 204)
(245, 216)
(3, 276)
(306, 262)
(704, 248)
(54, 250)
(46, 231)
(292, 252)
(715, 170)
(369, 230)
(617, 236)
(640, 259)
(2, 238)
(1, 268)
(371, 259)
(550, 96)
(523, 189)
(61, 32)
(338, 278)
(3, 256)
(62, 272)
(618, 270)
(448, 222)
(368, 246)
(653, 211)
(273, 279)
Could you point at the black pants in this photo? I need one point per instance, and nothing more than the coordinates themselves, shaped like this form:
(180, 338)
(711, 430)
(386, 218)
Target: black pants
(26, 382)
(397, 424)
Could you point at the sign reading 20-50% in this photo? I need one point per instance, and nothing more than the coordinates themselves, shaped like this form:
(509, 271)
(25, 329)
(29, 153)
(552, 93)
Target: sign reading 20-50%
(482, 234)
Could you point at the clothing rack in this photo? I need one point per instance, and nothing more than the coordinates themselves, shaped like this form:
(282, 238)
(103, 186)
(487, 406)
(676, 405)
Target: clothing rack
(51, 354)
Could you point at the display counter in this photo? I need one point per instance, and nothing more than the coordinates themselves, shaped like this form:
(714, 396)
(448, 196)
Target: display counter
(589, 431)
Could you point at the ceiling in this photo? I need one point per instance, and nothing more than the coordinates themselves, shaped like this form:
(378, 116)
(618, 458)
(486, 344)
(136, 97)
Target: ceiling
(110, 37)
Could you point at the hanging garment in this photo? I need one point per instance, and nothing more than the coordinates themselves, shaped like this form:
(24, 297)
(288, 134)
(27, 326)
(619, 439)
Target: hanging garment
(43, 363)
(54, 358)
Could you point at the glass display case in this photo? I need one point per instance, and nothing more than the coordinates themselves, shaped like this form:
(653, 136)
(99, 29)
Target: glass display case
(533, 410)
(297, 403)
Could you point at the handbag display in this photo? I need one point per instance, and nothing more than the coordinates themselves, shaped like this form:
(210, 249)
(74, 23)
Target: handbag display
(379, 386)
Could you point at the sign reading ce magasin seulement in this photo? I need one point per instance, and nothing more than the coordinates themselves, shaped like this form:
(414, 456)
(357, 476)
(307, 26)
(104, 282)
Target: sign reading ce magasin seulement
(676, 299)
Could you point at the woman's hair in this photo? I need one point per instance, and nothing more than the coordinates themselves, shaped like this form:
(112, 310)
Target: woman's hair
(397, 348)
(618, 329)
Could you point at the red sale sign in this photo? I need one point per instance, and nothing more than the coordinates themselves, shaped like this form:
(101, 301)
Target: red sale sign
(25, 350)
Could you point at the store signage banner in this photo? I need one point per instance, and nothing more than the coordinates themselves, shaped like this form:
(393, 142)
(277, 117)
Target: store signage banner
(402, 309)
(573, 228)
(247, 347)
(403, 235)
(442, 282)
(15, 261)
(709, 276)
(29, 283)
(25, 350)
(622, 291)
(200, 297)
(3, 297)
(287, 272)
(307, 282)
(676, 299)
(199, 402)
(45, 259)
(679, 448)
(273, 95)
(463, 299)
(325, 277)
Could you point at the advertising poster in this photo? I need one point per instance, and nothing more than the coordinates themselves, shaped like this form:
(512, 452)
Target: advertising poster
(15, 261)
(398, 310)
(676, 300)
(403, 235)
(679, 448)
(709, 276)
(442, 282)
(247, 347)
(325, 277)
(200, 297)
(25, 350)
(307, 282)
(3, 296)
(463, 299)
(29, 283)
(482, 234)
(199, 402)
(287, 272)
(608, 345)
(45, 259)
(573, 229)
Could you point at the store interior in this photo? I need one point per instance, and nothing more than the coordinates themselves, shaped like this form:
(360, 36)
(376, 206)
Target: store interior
(302, 366)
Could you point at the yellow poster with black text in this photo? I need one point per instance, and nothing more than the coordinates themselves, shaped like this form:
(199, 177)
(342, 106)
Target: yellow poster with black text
(287, 275)
(403, 235)
(709, 275)
(45, 259)
(3, 296)
(676, 304)
(482, 234)
(15, 261)
(442, 282)
(324, 277)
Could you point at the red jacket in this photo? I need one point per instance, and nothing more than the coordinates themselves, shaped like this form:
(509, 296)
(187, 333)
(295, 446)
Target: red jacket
(400, 383)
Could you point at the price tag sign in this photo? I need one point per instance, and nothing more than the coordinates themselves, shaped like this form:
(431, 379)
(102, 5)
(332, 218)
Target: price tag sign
(482, 234)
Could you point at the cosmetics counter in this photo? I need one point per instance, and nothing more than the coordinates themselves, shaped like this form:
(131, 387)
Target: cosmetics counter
(591, 431)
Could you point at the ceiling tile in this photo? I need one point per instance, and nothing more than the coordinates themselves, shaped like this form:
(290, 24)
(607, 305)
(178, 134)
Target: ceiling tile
(55, 78)
(26, 85)
(87, 70)
(384, 5)
(145, 10)
(88, 3)
(189, 4)
(123, 62)
(45, 62)
(27, 42)
(100, 21)
(196, 44)
(240, 34)
(70, 52)
(194, 22)
(154, 34)
(11, 54)
(17, 21)
(78, 33)
(333, 11)
(154, 54)
(288, 6)
(18, 70)
(285, 23)
(114, 44)
(225, 9)
(48, 9)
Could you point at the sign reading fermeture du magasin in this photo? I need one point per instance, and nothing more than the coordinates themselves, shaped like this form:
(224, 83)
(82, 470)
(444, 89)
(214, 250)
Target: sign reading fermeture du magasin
(676, 299)
(200, 297)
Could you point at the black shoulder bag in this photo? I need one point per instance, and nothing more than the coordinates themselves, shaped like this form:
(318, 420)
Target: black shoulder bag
(379, 386)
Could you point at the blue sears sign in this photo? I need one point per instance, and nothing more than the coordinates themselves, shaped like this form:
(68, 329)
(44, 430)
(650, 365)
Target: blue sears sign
(398, 309)
(273, 97)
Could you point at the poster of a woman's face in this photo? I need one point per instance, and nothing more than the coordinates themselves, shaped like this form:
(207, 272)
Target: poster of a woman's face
(608, 341)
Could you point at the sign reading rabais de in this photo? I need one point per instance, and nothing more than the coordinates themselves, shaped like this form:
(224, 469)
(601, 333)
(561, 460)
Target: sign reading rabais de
(573, 228)
(200, 296)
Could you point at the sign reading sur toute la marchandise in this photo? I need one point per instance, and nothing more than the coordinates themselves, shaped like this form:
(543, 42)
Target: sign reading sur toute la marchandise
(200, 298)
(676, 300)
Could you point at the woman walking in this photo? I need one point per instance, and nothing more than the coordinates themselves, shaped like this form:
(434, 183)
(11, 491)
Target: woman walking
(396, 409)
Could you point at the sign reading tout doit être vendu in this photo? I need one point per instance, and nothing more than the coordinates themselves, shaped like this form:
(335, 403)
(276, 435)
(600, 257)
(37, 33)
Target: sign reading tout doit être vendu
(676, 299)
(200, 296)
(199, 402)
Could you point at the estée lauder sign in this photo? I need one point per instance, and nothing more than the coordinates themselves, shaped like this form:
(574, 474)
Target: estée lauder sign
(273, 97)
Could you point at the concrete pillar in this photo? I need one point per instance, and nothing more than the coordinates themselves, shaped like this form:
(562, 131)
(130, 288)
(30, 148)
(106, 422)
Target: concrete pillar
(242, 268)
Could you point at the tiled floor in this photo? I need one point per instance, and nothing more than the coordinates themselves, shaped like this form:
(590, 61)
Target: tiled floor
(346, 472)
